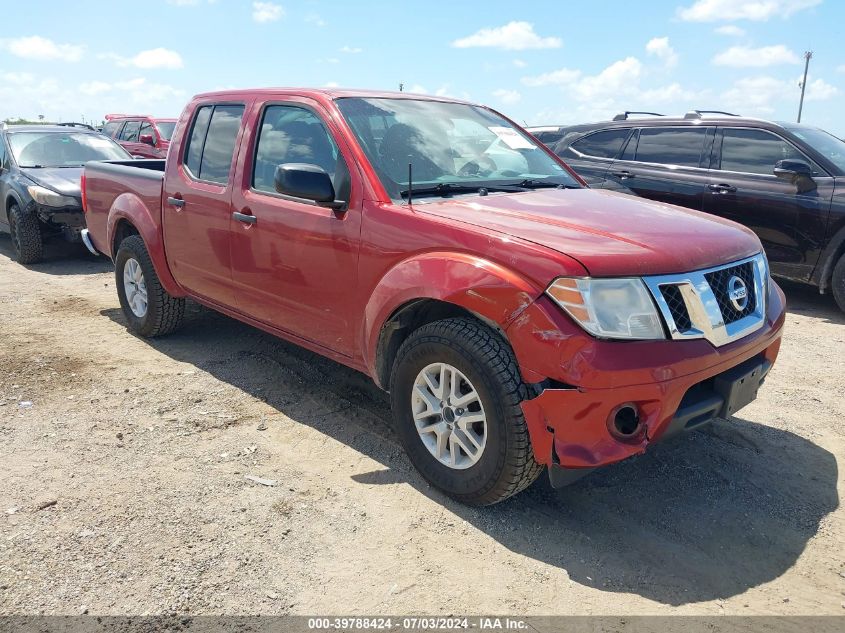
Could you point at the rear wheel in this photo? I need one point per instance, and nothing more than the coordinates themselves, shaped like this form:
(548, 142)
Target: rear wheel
(838, 283)
(455, 393)
(26, 236)
(149, 309)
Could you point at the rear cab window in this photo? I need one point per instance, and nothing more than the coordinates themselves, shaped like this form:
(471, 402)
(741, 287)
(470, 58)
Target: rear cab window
(211, 144)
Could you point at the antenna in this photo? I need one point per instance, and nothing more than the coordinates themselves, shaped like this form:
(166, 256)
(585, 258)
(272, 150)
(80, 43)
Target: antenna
(410, 182)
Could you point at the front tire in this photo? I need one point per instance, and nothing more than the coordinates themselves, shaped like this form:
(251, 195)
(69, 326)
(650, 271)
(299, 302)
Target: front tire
(838, 283)
(25, 232)
(455, 393)
(149, 309)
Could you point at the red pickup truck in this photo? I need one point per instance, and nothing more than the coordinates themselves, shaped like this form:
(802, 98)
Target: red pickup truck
(517, 318)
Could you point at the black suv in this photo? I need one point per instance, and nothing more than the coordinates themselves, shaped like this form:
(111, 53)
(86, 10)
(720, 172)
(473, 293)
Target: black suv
(40, 168)
(784, 181)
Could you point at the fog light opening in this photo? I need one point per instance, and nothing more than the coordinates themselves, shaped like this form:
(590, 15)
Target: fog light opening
(624, 423)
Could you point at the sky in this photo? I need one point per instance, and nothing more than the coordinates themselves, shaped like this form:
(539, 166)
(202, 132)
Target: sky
(541, 63)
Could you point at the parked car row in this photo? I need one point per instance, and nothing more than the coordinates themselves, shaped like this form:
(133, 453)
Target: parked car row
(518, 319)
(784, 181)
(141, 135)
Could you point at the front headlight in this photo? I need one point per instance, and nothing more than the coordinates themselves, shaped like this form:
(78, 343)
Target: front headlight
(609, 308)
(49, 198)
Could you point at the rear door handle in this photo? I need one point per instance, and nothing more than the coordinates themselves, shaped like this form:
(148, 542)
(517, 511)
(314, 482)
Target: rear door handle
(622, 174)
(176, 202)
(722, 188)
(245, 218)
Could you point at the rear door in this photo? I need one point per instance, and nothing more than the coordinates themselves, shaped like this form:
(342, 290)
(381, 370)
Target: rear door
(197, 201)
(294, 263)
(667, 164)
(742, 187)
(592, 155)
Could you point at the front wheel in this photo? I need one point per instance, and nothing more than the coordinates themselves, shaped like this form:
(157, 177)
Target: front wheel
(25, 232)
(455, 393)
(149, 309)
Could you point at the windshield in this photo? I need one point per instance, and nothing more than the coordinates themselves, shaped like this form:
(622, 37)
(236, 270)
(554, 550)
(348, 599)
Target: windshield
(824, 143)
(453, 145)
(63, 149)
(165, 129)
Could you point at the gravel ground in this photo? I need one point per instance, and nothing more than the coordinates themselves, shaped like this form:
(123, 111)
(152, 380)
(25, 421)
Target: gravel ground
(124, 465)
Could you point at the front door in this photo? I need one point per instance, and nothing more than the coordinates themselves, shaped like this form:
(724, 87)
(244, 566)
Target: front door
(742, 187)
(197, 202)
(295, 264)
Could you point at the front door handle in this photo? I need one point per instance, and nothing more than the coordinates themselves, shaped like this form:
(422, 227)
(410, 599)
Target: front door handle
(722, 188)
(175, 202)
(245, 218)
(622, 175)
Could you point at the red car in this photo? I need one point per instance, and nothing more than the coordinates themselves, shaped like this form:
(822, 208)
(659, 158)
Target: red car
(142, 136)
(518, 319)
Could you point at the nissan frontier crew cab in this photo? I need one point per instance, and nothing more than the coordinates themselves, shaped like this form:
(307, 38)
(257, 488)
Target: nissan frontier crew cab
(518, 319)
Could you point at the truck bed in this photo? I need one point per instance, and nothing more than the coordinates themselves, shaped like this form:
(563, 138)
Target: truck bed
(120, 185)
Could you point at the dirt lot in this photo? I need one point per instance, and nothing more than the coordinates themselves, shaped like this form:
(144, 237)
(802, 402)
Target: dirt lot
(139, 451)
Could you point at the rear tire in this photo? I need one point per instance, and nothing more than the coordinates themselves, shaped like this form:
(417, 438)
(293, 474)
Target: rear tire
(25, 231)
(838, 283)
(149, 309)
(500, 460)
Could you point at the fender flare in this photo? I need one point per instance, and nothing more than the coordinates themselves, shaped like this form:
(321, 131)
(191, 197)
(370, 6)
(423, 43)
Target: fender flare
(13, 195)
(492, 292)
(129, 207)
(828, 259)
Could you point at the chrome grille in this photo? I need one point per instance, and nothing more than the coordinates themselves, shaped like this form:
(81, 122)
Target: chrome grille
(698, 304)
(677, 307)
(718, 281)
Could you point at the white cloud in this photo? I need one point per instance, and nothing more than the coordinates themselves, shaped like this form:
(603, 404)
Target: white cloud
(331, 84)
(756, 10)
(18, 79)
(563, 76)
(153, 58)
(730, 29)
(507, 96)
(746, 57)
(617, 79)
(513, 36)
(519, 63)
(42, 49)
(841, 69)
(820, 90)
(350, 49)
(315, 19)
(94, 87)
(660, 48)
(757, 94)
(263, 12)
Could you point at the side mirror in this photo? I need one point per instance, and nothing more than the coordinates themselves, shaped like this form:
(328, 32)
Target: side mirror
(797, 172)
(147, 139)
(309, 182)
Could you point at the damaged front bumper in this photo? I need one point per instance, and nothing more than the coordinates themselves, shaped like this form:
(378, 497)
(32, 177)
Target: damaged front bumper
(674, 386)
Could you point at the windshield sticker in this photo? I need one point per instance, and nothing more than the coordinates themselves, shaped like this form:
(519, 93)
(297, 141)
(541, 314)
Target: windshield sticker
(511, 137)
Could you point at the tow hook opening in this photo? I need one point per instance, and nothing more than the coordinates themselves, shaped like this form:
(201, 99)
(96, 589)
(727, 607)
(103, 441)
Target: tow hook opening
(624, 423)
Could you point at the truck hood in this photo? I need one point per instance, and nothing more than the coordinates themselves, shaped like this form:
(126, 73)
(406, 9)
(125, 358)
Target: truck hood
(64, 180)
(610, 233)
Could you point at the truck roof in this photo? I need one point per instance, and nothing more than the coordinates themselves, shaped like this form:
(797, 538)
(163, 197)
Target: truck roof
(329, 93)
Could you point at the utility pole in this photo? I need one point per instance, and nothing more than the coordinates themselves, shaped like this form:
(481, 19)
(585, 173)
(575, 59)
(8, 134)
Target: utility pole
(807, 57)
(401, 87)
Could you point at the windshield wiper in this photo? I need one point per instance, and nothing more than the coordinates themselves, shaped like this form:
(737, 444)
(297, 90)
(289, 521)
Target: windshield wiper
(444, 189)
(533, 183)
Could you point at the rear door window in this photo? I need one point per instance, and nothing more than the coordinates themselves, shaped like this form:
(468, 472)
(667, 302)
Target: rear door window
(671, 146)
(604, 144)
(211, 146)
(755, 151)
(146, 128)
(130, 132)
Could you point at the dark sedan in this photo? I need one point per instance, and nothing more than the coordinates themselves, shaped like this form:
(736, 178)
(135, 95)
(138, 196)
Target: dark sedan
(40, 168)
